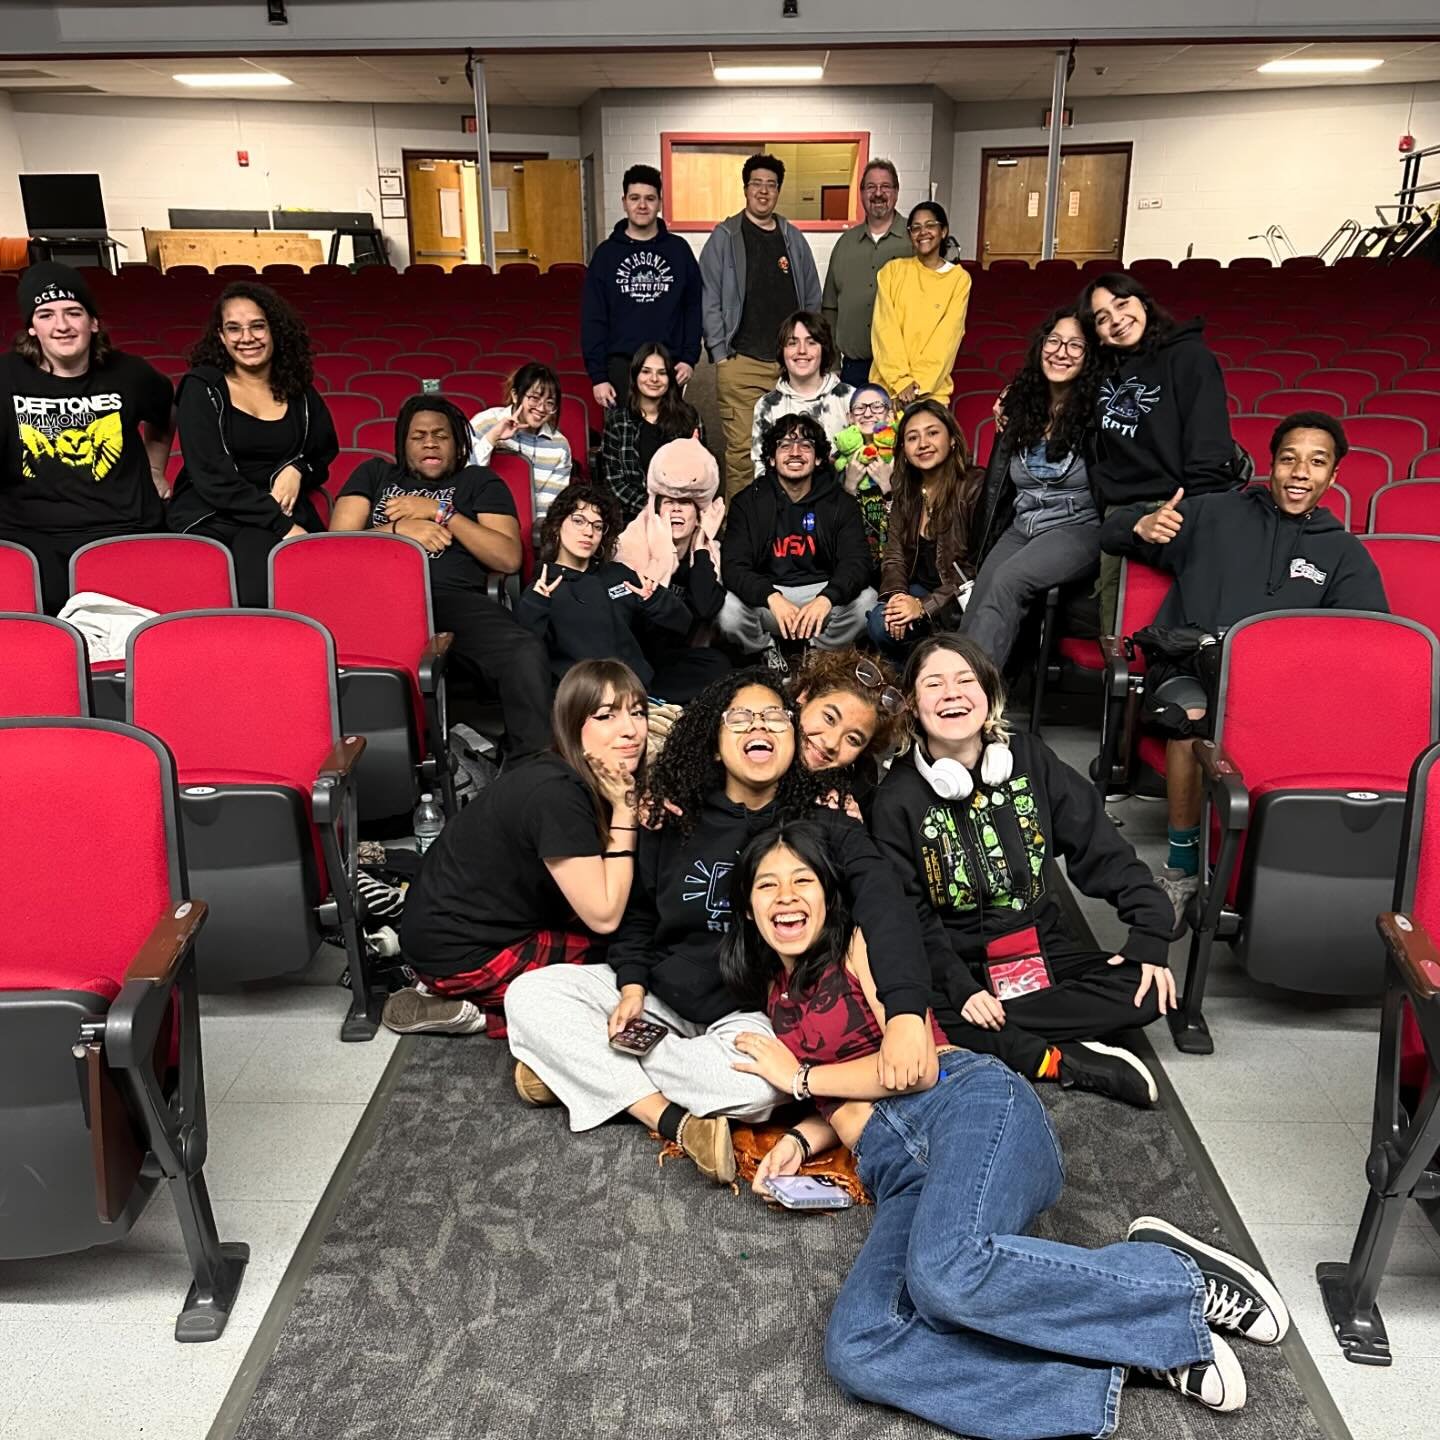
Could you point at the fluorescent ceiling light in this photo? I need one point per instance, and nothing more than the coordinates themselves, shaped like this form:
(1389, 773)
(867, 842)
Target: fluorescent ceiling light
(769, 72)
(239, 80)
(1319, 67)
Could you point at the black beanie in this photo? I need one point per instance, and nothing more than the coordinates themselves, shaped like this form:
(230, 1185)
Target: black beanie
(48, 282)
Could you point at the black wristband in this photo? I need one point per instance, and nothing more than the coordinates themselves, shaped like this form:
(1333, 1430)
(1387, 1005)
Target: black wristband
(803, 1143)
(618, 854)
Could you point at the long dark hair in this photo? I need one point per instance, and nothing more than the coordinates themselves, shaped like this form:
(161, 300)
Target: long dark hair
(959, 484)
(291, 369)
(565, 504)
(1027, 401)
(747, 964)
(677, 419)
(689, 769)
(1158, 320)
(579, 695)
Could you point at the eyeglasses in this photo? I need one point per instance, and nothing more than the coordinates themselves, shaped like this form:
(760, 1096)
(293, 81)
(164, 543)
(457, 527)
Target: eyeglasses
(1054, 344)
(764, 186)
(546, 404)
(259, 329)
(869, 674)
(870, 407)
(796, 442)
(739, 719)
(583, 522)
(878, 190)
(924, 227)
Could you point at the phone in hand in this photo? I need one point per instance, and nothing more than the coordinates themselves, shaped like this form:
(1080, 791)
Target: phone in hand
(639, 1037)
(808, 1192)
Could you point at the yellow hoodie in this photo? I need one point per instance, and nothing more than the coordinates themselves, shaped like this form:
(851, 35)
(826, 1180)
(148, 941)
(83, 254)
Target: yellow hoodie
(917, 326)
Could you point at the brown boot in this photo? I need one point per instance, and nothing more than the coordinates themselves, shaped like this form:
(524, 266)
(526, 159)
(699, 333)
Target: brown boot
(707, 1142)
(531, 1088)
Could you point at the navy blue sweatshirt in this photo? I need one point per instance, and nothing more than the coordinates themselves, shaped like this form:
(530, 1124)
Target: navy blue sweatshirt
(637, 291)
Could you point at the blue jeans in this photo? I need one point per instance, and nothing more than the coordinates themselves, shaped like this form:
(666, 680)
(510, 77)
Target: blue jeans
(885, 642)
(953, 1313)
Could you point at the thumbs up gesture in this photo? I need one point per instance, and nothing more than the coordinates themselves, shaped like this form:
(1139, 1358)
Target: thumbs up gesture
(1161, 526)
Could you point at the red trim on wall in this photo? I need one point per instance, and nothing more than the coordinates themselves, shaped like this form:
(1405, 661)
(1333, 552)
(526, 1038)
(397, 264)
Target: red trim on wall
(859, 138)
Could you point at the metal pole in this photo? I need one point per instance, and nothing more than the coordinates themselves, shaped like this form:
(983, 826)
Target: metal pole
(1052, 162)
(482, 160)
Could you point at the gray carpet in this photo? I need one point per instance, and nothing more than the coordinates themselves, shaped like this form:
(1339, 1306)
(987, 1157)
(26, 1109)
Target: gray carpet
(489, 1274)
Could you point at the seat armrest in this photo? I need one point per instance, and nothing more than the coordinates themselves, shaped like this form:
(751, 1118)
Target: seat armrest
(1413, 952)
(1116, 662)
(1225, 783)
(134, 1018)
(335, 779)
(433, 659)
(158, 959)
(343, 757)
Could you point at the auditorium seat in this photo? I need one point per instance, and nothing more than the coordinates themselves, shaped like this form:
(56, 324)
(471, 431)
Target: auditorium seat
(1362, 473)
(371, 591)
(1247, 385)
(19, 579)
(376, 436)
(1383, 364)
(1426, 466)
(486, 382)
(461, 353)
(1289, 365)
(1417, 405)
(1409, 566)
(100, 1057)
(426, 365)
(1406, 507)
(1397, 437)
(1284, 402)
(1427, 380)
(1353, 386)
(334, 371)
(1305, 818)
(1142, 591)
(515, 471)
(970, 410)
(43, 667)
(247, 702)
(1404, 1157)
(1252, 433)
(375, 351)
(390, 389)
(349, 411)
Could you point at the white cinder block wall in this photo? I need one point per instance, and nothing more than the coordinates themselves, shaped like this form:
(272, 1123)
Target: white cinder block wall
(155, 154)
(899, 121)
(12, 213)
(1226, 165)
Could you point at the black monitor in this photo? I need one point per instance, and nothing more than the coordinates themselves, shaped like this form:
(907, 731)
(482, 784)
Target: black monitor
(62, 204)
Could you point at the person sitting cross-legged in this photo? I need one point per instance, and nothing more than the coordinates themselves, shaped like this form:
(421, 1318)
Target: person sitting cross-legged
(794, 555)
(464, 517)
(1235, 554)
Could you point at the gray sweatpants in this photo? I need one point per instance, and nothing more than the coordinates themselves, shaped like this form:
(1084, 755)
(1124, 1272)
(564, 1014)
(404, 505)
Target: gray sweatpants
(1016, 570)
(752, 627)
(557, 1015)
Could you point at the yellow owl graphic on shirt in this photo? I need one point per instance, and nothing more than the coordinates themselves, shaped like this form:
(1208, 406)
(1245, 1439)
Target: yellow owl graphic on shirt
(95, 448)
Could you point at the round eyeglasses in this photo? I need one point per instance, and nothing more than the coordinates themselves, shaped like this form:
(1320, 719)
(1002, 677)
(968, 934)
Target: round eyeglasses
(1054, 344)
(869, 674)
(739, 719)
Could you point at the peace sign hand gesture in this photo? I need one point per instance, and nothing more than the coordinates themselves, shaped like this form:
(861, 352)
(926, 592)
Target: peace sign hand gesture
(544, 585)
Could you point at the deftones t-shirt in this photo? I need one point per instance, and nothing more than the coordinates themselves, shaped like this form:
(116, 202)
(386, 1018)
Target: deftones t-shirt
(72, 453)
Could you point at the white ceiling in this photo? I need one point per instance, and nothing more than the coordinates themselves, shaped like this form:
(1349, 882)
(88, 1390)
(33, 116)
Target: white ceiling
(556, 79)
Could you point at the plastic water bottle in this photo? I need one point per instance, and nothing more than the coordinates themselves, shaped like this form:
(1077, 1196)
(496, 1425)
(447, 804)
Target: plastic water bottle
(429, 822)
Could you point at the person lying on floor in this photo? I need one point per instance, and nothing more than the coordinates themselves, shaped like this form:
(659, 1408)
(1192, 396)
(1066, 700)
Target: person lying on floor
(533, 869)
(583, 603)
(951, 1311)
(970, 816)
(727, 769)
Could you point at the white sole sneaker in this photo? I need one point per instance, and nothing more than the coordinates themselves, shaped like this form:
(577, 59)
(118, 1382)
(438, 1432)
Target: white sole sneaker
(1220, 1385)
(413, 1012)
(1130, 1059)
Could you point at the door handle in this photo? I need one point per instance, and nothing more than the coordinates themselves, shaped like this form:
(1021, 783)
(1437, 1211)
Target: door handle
(443, 254)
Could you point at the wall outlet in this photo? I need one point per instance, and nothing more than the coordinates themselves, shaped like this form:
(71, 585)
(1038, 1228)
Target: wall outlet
(1149, 202)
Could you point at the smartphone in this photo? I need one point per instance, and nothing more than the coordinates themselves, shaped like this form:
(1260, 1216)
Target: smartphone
(808, 1192)
(639, 1037)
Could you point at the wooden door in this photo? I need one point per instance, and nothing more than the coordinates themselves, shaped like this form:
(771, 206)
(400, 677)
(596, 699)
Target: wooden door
(1093, 188)
(552, 212)
(507, 197)
(1013, 225)
(437, 212)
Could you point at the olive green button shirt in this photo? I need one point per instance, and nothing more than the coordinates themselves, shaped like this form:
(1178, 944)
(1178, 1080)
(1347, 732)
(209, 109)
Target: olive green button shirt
(849, 297)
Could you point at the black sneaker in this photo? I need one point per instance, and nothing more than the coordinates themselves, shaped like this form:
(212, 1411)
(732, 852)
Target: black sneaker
(1237, 1296)
(1107, 1070)
(776, 662)
(1218, 1384)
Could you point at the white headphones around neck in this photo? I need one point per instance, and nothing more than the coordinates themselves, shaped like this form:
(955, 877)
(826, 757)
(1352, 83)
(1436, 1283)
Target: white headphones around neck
(950, 780)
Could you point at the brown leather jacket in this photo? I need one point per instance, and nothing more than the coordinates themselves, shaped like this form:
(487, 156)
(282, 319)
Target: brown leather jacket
(897, 567)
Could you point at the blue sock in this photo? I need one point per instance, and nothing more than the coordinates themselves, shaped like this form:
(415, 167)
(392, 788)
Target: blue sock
(1185, 850)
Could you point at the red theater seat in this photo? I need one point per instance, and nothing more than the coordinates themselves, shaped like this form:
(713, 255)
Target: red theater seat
(1406, 507)
(19, 579)
(43, 669)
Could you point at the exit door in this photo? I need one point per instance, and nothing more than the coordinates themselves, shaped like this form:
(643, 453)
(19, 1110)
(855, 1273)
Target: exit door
(1094, 185)
(536, 207)
(438, 228)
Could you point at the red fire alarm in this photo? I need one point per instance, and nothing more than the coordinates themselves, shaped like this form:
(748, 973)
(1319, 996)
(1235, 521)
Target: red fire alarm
(1407, 144)
(242, 158)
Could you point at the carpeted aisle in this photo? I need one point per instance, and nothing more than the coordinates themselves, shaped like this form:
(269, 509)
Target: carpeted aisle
(488, 1274)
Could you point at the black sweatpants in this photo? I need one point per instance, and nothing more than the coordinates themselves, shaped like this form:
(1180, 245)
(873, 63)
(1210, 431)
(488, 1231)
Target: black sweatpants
(251, 546)
(507, 656)
(1089, 999)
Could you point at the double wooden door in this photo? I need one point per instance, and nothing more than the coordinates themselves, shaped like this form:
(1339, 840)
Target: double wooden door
(1090, 225)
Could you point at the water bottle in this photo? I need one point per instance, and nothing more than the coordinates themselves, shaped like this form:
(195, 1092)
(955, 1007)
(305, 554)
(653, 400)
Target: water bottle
(429, 822)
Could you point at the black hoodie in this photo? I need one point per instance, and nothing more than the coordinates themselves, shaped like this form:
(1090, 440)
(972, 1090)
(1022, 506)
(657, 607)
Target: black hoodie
(212, 485)
(471, 491)
(827, 520)
(1238, 554)
(1162, 422)
(679, 911)
(981, 868)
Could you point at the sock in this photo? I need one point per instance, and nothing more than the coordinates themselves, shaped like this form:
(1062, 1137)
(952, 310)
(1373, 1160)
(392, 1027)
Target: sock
(1185, 850)
(1050, 1065)
(672, 1117)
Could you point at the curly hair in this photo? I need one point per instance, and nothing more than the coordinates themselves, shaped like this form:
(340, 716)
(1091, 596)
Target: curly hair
(565, 504)
(830, 672)
(1027, 400)
(788, 425)
(689, 770)
(292, 370)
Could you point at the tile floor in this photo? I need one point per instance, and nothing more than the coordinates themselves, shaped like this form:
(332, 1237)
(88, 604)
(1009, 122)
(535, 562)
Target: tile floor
(1282, 1106)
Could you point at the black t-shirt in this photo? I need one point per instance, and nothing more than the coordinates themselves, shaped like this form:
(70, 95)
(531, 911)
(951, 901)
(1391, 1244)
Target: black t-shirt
(474, 491)
(793, 560)
(483, 885)
(647, 442)
(927, 572)
(261, 447)
(769, 291)
(71, 454)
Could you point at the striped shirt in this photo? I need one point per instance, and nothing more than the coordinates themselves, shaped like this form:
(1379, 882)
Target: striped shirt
(548, 453)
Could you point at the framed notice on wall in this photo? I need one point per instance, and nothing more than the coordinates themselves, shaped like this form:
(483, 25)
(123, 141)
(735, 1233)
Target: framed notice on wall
(392, 207)
(391, 183)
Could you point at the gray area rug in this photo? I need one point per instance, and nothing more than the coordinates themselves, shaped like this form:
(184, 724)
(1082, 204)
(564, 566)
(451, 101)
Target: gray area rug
(488, 1273)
